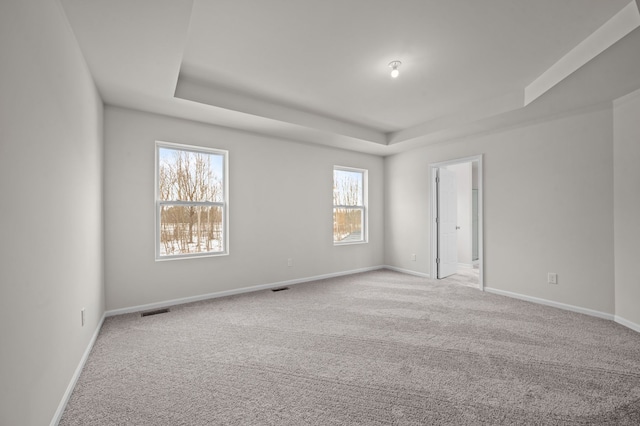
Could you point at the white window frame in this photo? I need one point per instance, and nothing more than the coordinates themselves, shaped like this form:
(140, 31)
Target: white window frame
(223, 204)
(363, 208)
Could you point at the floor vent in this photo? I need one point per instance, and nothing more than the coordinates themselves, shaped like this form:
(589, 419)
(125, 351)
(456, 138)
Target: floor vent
(156, 312)
(280, 289)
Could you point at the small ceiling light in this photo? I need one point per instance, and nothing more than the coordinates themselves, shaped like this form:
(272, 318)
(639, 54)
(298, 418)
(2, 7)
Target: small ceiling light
(394, 68)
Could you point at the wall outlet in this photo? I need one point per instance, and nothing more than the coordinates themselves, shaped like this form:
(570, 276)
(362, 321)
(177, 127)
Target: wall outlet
(552, 278)
(289, 262)
(413, 257)
(82, 317)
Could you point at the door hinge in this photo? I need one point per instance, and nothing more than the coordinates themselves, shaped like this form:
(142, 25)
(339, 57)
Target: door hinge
(437, 179)
(437, 219)
(437, 260)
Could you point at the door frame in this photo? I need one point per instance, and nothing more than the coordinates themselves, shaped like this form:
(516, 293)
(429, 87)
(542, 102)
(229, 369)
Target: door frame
(434, 211)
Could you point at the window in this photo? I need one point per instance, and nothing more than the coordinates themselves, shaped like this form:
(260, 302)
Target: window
(349, 205)
(191, 201)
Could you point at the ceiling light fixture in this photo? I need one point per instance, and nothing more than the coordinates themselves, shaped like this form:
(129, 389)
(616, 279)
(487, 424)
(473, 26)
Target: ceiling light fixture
(394, 68)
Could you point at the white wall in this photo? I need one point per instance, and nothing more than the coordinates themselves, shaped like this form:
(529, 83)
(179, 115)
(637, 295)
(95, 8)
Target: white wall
(627, 207)
(463, 192)
(547, 208)
(280, 207)
(51, 209)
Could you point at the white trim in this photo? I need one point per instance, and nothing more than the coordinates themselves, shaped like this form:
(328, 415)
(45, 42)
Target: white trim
(456, 161)
(433, 175)
(349, 243)
(433, 237)
(76, 375)
(407, 271)
(627, 323)
(551, 303)
(235, 291)
(465, 266)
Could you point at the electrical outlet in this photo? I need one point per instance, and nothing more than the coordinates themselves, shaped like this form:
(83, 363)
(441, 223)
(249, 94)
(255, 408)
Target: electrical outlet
(413, 257)
(289, 262)
(82, 317)
(552, 278)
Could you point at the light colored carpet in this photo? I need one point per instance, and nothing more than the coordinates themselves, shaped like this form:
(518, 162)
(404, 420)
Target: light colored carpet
(465, 276)
(372, 348)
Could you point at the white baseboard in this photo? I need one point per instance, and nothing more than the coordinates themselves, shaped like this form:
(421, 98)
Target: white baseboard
(407, 271)
(546, 302)
(76, 375)
(627, 323)
(465, 265)
(235, 291)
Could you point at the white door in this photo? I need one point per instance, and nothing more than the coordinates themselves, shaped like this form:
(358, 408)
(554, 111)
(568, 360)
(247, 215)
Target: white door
(447, 221)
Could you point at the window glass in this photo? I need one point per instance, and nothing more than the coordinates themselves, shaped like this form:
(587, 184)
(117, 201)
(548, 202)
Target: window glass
(349, 210)
(190, 201)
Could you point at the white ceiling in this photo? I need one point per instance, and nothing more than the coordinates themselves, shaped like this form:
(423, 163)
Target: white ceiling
(316, 71)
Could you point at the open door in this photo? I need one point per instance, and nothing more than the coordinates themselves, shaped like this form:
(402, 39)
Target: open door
(447, 261)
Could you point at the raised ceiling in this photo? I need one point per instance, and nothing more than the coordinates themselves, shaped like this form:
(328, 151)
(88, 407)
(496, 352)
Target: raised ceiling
(316, 71)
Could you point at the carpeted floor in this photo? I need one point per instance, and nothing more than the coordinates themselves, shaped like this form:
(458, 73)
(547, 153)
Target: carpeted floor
(465, 276)
(373, 348)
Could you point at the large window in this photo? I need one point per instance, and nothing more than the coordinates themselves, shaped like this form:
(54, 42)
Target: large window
(191, 201)
(349, 205)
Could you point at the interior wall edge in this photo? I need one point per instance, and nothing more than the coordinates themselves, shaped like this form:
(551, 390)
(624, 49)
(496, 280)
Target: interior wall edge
(629, 324)
(76, 375)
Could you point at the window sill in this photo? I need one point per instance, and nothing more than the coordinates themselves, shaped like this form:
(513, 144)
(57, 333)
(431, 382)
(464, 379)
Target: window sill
(190, 256)
(349, 243)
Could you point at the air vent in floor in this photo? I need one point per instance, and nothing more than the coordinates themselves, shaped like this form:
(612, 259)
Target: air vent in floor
(280, 289)
(156, 312)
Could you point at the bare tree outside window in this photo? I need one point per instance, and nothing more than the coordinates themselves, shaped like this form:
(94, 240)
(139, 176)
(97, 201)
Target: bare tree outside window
(191, 201)
(348, 205)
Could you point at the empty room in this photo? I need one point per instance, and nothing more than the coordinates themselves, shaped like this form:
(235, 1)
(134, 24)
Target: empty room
(297, 212)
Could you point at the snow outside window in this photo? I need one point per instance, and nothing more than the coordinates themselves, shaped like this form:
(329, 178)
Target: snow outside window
(349, 205)
(191, 201)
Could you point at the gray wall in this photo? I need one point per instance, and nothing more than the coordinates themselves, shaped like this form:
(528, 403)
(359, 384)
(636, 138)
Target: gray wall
(51, 209)
(280, 207)
(627, 206)
(547, 208)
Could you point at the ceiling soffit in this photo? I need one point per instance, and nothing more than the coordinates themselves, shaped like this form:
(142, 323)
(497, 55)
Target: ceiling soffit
(141, 56)
(192, 85)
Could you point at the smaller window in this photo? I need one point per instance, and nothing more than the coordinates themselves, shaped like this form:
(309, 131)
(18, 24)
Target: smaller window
(191, 201)
(349, 205)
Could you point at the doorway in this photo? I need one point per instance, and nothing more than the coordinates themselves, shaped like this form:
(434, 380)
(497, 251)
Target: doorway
(456, 221)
